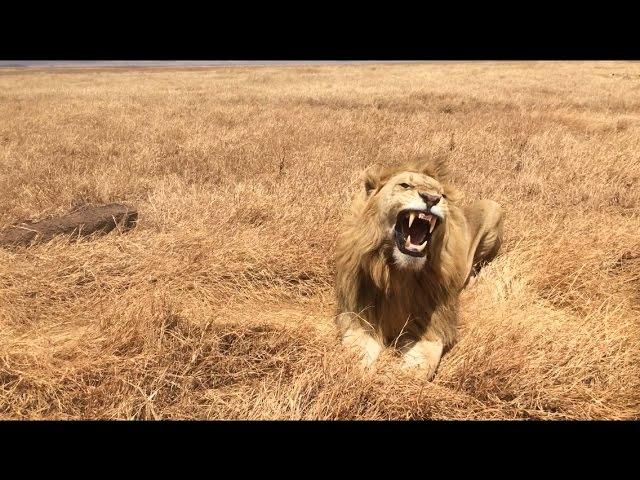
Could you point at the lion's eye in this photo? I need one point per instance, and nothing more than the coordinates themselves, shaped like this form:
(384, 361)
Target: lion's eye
(405, 185)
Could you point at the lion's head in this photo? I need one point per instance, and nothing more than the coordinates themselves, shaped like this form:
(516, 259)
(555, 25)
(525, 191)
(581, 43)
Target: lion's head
(411, 207)
(404, 212)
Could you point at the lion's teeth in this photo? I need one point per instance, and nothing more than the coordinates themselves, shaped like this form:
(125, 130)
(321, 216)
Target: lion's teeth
(423, 216)
(422, 245)
(412, 217)
(432, 220)
(407, 244)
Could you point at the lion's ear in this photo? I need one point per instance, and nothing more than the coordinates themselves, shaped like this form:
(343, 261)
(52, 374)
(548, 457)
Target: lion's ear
(453, 194)
(435, 167)
(371, 179)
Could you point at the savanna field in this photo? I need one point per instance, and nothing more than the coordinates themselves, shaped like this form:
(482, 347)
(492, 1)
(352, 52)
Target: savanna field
(219, 303)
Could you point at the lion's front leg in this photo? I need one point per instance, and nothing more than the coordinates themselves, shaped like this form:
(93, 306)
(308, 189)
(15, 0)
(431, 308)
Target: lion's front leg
(425, 355)
(428, 346)
(356, 336)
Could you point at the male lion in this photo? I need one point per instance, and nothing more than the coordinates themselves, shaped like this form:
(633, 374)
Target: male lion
(403, 257)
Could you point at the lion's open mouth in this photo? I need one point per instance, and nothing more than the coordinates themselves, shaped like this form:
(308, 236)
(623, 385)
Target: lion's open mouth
(413, 231)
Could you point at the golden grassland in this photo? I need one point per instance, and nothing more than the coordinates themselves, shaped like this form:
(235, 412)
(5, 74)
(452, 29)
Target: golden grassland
(219, 303)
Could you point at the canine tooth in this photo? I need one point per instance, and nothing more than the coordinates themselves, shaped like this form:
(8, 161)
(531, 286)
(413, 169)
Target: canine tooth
(432, 220)
(412, 217)
(423, 245)
(407, 244)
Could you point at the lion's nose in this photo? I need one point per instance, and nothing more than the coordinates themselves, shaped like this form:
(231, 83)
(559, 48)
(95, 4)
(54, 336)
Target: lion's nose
(429, 199)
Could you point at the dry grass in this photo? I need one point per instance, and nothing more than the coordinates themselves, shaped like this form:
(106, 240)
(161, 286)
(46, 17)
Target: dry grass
(219, 304)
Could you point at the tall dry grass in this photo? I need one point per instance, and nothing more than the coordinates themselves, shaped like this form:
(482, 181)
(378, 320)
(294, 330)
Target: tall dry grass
(219, 304)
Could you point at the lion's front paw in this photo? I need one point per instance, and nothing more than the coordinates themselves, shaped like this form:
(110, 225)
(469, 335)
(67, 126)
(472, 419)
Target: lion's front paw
(425, 356)
(422, 365)
(367, 347)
